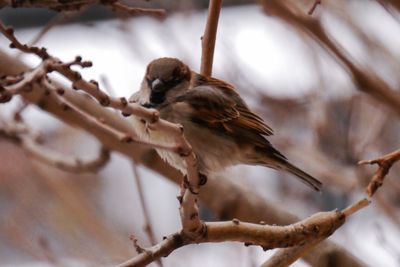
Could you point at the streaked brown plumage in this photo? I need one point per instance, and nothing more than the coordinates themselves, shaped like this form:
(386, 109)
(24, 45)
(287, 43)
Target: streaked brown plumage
(221, 128)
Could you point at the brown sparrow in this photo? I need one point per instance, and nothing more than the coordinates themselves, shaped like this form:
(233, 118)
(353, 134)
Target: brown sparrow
(217, 122)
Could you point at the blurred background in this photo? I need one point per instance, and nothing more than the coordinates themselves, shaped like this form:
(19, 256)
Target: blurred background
(322, 123)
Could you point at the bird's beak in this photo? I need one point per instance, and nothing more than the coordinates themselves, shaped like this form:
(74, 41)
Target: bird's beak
(157, 85)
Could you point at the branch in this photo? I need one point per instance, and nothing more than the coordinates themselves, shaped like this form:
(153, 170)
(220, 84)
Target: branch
(64, 162)
(136, 11)
(237, 201)
(316, 227)
(286, 256)
(208, 39)
(77, 5)
(191, 222)
(29, 141)
(365, 81)
(147, 223)
(38, 75)
(385, 163)
(59, 19)
(314, 6)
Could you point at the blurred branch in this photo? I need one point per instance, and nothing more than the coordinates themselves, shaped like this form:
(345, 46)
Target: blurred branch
(319, 225)
(136, 11)
(314, 6)
(189, 212)
(29, 141)
(76, 5)
(365, 80)
(209, 37)
(388, 208)
(393, 3)
(244, 204)
(57, 20)
(66, 163)
(147, 223)
(385, 163)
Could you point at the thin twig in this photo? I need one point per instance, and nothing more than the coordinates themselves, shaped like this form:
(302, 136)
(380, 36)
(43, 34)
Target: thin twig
(78, 5)
(314, 6)
(119, 7)
(147, 222)
(60, 18)
(385, 163)
(356, 207)
(209, 37)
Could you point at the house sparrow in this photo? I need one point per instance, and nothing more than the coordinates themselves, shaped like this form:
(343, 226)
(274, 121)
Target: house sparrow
(217, 122)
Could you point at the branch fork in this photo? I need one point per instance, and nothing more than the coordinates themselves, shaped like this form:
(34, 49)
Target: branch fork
(384, 164)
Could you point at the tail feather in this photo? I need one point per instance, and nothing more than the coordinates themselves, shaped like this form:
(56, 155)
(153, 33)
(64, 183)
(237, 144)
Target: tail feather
(278, 161)
(303, 176)
(281, 163)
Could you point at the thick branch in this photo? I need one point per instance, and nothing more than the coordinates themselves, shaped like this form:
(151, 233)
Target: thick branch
(209, 37)
(316, 227)
(286, 256)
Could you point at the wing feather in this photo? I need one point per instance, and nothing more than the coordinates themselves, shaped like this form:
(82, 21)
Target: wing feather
(219, 106)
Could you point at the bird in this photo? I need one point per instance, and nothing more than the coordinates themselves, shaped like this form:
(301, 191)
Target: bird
(217, 122)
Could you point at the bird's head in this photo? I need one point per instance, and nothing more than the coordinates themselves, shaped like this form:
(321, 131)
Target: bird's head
(166, 77)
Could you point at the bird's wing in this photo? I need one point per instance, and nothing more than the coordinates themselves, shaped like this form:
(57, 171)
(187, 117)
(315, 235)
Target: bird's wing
(221, 108)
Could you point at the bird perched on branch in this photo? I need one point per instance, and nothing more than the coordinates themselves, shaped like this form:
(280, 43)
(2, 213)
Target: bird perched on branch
(217, 122)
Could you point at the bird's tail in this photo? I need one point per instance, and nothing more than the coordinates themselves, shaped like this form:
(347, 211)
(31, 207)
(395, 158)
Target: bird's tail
(279, 162)
(303, 176)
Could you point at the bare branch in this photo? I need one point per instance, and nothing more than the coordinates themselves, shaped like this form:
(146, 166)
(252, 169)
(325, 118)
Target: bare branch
(314, 6)
(316, 227)
(385, 163)
(60, 18)
(77, 5)
(239, 203)
(21, 134)
(208, 39)
(286, 256)
(64, 162)
(191, 222)
(135, 11)
(365, 80)
(8, 32)
(147, 222)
